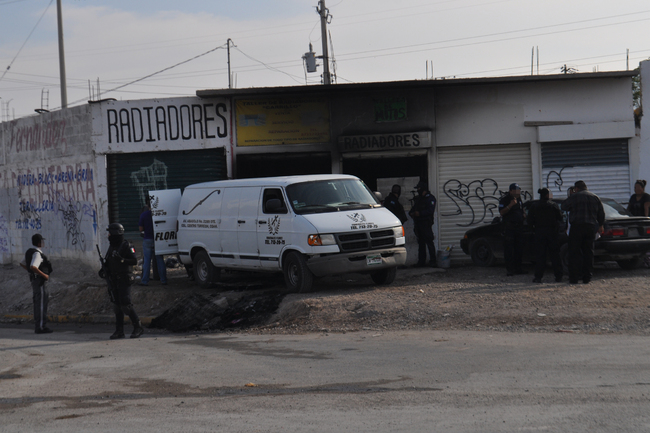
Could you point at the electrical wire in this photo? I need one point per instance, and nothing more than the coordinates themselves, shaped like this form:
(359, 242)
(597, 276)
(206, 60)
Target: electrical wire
(293, 77)
(155, 73)
(29, 36)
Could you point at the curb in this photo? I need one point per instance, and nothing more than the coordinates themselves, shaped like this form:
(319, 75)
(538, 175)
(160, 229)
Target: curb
(78, 318)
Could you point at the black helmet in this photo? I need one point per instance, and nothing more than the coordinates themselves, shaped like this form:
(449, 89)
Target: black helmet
(115, 229)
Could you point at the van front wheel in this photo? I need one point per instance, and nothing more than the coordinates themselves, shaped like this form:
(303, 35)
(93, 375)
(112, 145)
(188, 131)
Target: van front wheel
(297, 275)
(384, 276)
(204, 271)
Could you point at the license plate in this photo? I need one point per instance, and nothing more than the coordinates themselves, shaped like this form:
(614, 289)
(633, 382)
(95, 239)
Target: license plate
(632, 233)
(375, 259)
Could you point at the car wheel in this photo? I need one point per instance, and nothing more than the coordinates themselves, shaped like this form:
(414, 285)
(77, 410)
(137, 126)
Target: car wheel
(384, 276)
(481, 253)
(204, 271)
(629, 263)
(297, 276)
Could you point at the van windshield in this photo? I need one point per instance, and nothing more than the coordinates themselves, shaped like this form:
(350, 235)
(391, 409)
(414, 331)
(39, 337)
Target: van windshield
(330, 196)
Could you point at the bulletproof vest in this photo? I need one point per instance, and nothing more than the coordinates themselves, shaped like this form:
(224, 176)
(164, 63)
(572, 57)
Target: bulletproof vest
(119, 272)
(45, 266)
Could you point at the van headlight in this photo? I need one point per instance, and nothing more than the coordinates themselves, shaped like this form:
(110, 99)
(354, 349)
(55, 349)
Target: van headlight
(399, 231)
(320, 240)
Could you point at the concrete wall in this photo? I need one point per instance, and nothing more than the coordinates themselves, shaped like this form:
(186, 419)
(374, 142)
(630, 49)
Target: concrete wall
(48, 185)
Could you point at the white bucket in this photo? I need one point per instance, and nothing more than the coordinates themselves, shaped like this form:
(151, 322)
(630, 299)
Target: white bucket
(443, 258)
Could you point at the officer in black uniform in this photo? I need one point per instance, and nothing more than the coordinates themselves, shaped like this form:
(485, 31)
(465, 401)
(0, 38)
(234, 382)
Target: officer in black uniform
(120, 259)
(39, 268)
(422, 212)
(512, 215)
(391, 202)
(545, 217)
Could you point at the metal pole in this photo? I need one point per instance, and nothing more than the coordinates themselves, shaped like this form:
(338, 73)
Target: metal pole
(229, 75)
(322, 11)
(64, 90)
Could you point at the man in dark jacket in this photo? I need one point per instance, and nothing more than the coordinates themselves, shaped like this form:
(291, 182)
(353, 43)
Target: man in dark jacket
(512, 215)
(39, 268)
(545, 217)
(120, 259)
(391, 202)
(422, 213)
(587, 216)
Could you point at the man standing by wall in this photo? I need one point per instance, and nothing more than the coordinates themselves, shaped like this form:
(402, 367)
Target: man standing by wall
(39, 268)
(512, 214)
(148, 249)
(422, 212)
(587, 216)
(391, 202)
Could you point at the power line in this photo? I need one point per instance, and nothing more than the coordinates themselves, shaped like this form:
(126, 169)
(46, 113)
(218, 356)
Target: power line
(29, 36)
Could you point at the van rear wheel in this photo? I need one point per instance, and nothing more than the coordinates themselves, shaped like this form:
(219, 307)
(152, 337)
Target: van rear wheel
(384, 276)
(297, 276)
(204, 271)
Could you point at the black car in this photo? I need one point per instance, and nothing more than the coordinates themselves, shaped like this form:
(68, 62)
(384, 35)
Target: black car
(625, 241)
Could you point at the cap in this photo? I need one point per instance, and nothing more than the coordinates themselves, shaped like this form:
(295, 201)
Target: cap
(36, 239)
(422, 185)
(514, 186)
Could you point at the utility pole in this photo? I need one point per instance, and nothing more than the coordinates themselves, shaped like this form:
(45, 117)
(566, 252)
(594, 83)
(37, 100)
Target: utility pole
(64, 90)
(229, 75)
(324, 13)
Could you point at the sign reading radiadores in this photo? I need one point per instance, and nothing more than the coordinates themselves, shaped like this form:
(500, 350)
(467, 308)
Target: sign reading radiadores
(378, 142)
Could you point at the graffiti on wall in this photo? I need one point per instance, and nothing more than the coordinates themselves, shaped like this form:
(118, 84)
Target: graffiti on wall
(478, 200)
(554, 179)
(4, 235)
(151, 178)
(38, 136)
(67, 192)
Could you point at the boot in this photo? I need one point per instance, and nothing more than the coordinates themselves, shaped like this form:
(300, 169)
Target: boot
(117, 334)
(138, 330)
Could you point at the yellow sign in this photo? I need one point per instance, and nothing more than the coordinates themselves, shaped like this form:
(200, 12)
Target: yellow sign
(264, 122)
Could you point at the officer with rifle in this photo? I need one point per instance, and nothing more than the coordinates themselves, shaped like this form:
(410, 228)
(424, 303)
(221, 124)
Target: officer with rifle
(117, 270)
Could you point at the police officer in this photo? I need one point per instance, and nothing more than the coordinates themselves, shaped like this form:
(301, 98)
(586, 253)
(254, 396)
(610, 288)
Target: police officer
(120, 259)
(545, 217)
(39, 268)
(422, 212)
(391, 202)
(512, 215)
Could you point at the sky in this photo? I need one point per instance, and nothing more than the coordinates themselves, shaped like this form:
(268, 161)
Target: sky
(142, 49)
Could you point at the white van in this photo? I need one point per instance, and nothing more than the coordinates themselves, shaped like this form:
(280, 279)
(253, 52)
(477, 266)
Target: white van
(303, 226)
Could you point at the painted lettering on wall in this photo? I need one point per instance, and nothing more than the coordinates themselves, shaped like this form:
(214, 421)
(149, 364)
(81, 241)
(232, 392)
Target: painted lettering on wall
(39, 136)
(477, 200)
(167, 123)
(378, 142)
(4, 235)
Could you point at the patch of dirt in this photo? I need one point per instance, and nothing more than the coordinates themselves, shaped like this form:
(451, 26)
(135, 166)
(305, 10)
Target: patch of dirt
(468, 297)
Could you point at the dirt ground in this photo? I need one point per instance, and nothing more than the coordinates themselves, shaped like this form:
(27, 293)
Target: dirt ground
(464, 297)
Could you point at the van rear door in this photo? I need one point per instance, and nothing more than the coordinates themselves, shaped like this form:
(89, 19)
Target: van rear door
(164, 211)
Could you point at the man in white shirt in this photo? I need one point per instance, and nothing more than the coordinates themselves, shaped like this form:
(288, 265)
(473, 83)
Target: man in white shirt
(39, 268)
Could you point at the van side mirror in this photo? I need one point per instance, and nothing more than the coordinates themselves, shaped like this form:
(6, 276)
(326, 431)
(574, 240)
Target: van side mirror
(378, 196)
(275, 206)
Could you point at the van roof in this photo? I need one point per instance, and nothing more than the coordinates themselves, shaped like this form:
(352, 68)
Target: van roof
(271, 181)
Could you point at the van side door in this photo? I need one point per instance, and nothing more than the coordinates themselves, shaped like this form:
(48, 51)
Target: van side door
(249, 201)
(164, 211)
(274, 223)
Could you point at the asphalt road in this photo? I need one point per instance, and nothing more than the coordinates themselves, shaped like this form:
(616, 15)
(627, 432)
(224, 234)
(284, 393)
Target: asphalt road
(428, 381)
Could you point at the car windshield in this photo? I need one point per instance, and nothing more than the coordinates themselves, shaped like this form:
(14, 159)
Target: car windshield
(330, 196)
(614, 210)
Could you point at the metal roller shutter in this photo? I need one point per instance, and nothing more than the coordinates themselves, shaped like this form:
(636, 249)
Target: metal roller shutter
(471, 181)
(132, 175)
(603, 165)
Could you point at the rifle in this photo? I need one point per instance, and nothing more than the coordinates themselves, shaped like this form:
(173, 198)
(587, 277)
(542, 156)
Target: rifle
(104, 272)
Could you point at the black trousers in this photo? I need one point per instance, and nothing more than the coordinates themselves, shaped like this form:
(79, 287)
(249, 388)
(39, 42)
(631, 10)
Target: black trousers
(40, 298)
(547, 246)
(581, 251)
(513, 248)
(122, 307)
(424, 232)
